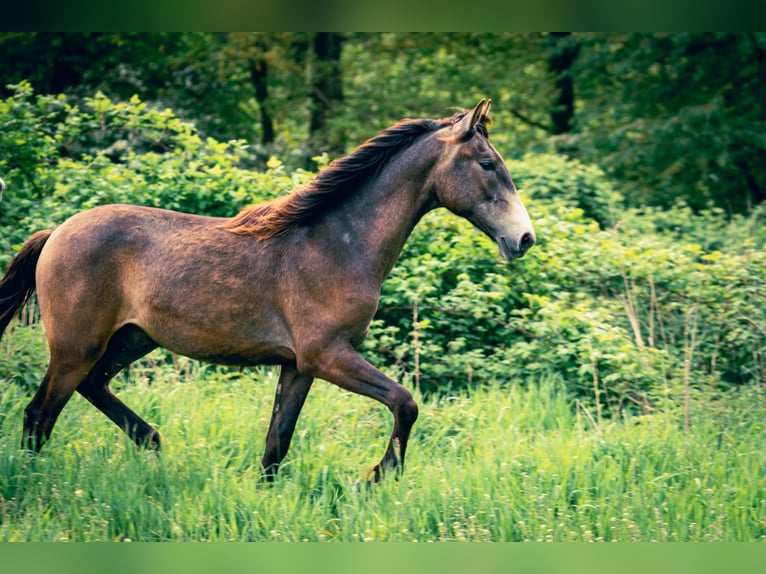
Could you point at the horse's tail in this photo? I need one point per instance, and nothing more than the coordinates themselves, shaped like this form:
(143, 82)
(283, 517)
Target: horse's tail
(19, 282)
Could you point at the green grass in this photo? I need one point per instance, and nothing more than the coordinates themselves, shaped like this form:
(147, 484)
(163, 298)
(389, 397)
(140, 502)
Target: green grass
(500, 464)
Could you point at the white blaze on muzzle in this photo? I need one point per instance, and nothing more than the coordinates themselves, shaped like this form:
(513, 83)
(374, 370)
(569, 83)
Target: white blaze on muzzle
(516, 235)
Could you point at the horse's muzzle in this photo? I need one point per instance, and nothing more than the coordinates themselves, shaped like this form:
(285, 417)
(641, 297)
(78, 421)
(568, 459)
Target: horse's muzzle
(516, 248)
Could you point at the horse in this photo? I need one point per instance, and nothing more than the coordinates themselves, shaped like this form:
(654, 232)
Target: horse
(292, 282)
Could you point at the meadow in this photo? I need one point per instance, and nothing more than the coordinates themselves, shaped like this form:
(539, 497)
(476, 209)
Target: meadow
(512, 462)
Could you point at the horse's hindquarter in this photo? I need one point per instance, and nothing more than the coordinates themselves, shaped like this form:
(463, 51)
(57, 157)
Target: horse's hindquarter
(194, 288)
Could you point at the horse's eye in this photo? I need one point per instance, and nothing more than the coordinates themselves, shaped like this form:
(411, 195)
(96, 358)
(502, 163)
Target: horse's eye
(487, 165)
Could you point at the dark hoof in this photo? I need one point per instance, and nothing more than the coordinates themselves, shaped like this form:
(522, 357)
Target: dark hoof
(374, 474)
(32, 444)
(268, 474)
(149, 441)
(154, 442)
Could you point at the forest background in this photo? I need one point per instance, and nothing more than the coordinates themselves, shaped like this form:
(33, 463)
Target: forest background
(639, 157)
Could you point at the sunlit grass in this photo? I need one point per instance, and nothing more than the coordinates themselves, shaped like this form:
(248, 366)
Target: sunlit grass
(506, 464)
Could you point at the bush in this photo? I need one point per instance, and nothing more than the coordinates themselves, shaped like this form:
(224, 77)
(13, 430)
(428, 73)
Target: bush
(557, 179)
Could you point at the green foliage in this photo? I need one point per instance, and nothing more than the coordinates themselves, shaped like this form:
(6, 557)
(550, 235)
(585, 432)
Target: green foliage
(670, 116)
(676, 117)
(557, 179)
(23, 357)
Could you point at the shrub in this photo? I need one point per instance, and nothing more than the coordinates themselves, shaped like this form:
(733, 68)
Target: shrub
(557, 179)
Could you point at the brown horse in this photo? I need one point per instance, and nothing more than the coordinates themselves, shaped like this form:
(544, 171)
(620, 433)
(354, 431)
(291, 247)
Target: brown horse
(293, 282)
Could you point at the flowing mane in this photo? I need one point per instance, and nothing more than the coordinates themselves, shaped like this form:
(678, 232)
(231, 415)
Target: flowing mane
(333, 184)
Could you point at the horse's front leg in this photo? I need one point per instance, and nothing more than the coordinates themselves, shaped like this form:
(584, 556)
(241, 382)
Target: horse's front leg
(290, 395)
(341, 365)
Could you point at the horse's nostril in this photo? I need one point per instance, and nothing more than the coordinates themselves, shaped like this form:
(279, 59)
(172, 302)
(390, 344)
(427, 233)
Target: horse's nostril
(526, 242)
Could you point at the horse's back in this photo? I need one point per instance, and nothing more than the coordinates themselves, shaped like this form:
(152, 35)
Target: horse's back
(99, 227)
(100, 245)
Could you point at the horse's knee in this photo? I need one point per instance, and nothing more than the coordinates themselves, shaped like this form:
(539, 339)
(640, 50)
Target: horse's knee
(408, 414)
(405, 408)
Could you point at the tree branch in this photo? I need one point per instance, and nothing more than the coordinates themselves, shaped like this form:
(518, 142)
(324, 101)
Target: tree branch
(516, 113)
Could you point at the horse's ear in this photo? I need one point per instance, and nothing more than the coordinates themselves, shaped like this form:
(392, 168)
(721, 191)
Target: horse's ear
(462, 130)
(467, 123)
(488, 105)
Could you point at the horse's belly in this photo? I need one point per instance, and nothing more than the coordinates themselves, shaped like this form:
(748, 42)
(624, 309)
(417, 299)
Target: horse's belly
(247, 337)
(226, 350)
(260, 355)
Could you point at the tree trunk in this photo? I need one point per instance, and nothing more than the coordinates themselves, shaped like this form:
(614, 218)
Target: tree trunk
(326, 91)
(560, 64)
(259, 72)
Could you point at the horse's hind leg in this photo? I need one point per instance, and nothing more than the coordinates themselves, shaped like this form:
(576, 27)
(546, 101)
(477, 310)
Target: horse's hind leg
(41, 413)
(126, 345)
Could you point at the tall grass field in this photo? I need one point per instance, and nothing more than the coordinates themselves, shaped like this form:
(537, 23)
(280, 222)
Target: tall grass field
(519, 462)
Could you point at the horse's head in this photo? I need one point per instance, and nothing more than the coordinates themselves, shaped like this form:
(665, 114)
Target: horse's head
(471, 180)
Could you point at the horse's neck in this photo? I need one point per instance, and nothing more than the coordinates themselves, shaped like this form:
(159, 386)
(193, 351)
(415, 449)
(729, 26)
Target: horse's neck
(382, 214)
